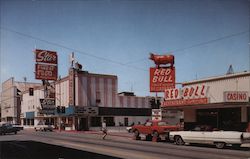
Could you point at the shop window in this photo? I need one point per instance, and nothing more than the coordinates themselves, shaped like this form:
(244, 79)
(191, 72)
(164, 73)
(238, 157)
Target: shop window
(109, 121)
(95, 121)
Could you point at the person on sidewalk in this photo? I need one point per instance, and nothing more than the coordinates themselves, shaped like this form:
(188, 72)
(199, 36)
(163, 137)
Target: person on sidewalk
(104, 129)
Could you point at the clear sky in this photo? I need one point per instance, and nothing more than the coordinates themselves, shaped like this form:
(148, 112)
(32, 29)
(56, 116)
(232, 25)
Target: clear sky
(116, 36)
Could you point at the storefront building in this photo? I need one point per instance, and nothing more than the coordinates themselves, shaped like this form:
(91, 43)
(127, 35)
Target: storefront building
(11, 99)
(88, 99)
(220, 102)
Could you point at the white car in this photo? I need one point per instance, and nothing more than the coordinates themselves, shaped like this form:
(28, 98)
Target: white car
(219, 138)
(43, 127)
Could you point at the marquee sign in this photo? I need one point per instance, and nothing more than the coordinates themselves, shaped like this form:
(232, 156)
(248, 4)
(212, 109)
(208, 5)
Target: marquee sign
(48, 105)
(236, 96)
(162, 78)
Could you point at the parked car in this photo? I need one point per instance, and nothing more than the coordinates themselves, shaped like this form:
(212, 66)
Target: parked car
(18, 127)
(218, 138)
(129, 129)
(7, 128)
(42, 127)
(154, 129)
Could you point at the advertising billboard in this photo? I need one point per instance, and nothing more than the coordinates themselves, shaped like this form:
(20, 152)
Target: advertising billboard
(46, 65)
(46, 72)
(45, 56)
(162, 78)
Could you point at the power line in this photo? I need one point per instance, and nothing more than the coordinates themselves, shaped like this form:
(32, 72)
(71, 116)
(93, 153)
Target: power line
(72, 49)
(197, 45)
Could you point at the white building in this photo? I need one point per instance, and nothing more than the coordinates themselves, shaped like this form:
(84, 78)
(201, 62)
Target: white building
(221, 102)
(11, 99)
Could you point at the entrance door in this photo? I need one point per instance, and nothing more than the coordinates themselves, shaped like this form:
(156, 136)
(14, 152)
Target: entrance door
(208, 117)
(83, 124)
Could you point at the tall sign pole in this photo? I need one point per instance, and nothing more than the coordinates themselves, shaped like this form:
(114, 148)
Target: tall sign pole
(46, 69)
(162, 77)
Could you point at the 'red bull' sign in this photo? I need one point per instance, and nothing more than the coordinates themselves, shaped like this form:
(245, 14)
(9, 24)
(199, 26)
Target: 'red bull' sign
(162, 78)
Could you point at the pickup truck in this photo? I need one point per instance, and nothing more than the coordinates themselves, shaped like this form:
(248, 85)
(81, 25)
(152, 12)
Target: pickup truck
(8, 128)
(154, 130)
(218, 138)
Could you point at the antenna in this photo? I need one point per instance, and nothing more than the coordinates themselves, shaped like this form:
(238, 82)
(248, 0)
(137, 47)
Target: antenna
(230, 70)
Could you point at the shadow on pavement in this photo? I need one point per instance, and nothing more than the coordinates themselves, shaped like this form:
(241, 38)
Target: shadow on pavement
(38, 150)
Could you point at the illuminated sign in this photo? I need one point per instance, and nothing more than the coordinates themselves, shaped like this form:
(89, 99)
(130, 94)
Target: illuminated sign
(162, 79)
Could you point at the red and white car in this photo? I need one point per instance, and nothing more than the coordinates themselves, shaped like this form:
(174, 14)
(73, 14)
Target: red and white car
(154, 130)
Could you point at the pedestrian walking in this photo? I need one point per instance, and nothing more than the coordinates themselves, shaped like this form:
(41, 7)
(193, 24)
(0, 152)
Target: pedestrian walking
(104, 129)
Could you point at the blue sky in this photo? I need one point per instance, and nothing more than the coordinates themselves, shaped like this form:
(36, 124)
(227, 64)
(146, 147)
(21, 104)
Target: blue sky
(205, 37)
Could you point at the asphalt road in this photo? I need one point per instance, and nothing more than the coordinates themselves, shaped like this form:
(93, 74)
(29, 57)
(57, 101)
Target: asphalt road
(90, 145)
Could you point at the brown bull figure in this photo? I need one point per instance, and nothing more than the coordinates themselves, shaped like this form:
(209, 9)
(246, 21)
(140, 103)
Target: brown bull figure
(162, 59)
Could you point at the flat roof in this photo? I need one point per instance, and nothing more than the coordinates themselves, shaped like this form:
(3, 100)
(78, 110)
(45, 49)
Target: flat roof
(217, 78)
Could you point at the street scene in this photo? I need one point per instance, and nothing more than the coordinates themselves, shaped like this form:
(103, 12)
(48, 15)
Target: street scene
(111, 79)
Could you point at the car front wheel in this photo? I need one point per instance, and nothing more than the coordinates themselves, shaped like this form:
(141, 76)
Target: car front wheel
(220, 145)
(179, 141)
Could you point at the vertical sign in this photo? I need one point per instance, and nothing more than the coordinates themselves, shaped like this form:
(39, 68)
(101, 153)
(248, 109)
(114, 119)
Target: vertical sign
(71, 87)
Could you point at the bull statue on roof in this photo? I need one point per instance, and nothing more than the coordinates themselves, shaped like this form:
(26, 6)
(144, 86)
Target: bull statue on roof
(162, 59)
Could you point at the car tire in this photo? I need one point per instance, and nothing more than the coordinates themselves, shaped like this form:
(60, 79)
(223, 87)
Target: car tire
(15, 132)
(149, 137)
(220, 145)
(178, 140)
(137, 135)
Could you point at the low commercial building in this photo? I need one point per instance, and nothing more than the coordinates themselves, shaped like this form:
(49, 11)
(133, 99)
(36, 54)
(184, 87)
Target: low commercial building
(221, 102)
(11, 99)
(88, 99)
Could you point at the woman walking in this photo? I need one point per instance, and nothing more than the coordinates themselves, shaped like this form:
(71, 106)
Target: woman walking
(104, 129)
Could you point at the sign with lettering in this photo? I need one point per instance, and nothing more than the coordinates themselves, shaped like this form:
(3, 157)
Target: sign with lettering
(191, 95)
(191, 92)
(71, 87)
(162, 78)
(46, 72)
(45, 56)
(236, 96)
(48, 105)
(90, 111)
(156, 114)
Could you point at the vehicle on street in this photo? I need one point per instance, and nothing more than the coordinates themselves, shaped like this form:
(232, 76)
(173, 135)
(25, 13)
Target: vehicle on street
(19, 127)
(203, 136)
(41, 126)
(154, 130)
(129, 129)
(7, 128)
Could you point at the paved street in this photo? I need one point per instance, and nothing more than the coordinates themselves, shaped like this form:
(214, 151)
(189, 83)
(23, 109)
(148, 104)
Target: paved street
(31, 144)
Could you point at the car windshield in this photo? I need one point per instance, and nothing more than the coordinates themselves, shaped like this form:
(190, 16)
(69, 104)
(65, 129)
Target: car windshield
(162, 123)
